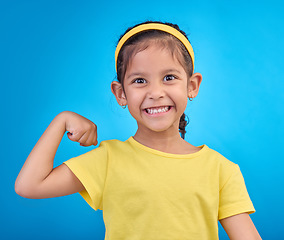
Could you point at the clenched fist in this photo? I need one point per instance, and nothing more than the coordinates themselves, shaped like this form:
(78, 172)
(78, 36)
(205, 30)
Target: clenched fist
(80, 129)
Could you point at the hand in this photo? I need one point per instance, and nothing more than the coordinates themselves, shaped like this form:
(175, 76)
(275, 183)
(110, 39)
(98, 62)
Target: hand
(80, 129)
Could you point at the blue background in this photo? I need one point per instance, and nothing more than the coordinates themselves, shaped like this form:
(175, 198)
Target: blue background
(59, 55)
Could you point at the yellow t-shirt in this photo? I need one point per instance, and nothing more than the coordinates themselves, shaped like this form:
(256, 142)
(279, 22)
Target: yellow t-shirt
(148, 194)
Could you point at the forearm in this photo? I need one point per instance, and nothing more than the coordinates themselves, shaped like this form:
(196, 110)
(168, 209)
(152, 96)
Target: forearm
(240, 227)
(39, 163)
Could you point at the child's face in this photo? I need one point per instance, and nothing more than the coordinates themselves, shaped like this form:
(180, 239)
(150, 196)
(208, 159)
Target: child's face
(156, 89)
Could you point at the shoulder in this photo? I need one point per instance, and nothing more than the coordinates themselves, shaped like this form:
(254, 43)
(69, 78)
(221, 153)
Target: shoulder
(114, 144)
(218, 158)
(115, 148)
(223, 166)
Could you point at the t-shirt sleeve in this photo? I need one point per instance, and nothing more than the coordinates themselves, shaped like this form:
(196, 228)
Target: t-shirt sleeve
(233, 195)
(91, 169)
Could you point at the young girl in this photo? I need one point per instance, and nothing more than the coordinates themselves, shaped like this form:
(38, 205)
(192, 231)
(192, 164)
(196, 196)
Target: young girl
(155, 185)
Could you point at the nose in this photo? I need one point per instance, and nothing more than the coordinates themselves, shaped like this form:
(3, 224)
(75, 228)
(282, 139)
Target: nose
(156, 90)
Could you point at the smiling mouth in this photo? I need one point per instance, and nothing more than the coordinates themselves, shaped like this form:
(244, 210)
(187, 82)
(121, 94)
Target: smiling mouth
(157, 110)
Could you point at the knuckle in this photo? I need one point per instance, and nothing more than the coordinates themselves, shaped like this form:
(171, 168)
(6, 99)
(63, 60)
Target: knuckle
(94, 126)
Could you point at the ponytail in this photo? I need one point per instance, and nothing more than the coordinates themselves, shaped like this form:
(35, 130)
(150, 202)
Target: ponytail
(182, 124)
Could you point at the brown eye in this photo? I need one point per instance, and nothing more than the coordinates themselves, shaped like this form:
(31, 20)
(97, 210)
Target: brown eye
(169, 77)
(139, 80)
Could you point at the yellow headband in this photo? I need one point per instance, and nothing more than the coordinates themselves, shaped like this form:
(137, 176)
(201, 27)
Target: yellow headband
(155, 26)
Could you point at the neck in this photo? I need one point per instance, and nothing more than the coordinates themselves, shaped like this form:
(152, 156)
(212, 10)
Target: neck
(169, 142)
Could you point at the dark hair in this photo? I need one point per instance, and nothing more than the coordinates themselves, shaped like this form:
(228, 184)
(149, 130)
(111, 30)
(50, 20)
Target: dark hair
(140, 42)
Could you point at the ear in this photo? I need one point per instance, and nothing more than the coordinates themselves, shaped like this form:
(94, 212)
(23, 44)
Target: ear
(194, 84)
(118, 92)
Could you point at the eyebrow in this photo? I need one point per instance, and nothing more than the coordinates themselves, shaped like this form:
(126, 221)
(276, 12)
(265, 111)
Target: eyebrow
(134, 74)
(172, 70)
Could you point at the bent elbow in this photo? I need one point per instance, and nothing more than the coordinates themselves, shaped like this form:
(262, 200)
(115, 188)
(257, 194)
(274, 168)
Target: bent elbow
(23, 190)
(19, 189)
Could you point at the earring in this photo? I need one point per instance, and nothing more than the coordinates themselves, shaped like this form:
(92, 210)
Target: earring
(123, 106)
(190, 98)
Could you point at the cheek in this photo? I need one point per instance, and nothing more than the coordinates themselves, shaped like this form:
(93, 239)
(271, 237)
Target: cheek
(133, 100)
(182, 99)
(183, 104)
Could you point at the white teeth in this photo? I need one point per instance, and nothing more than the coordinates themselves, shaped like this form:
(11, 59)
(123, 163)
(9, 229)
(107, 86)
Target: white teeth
(157, 110)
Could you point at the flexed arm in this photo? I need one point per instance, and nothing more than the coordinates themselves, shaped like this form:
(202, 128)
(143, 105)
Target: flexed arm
(38, 178)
